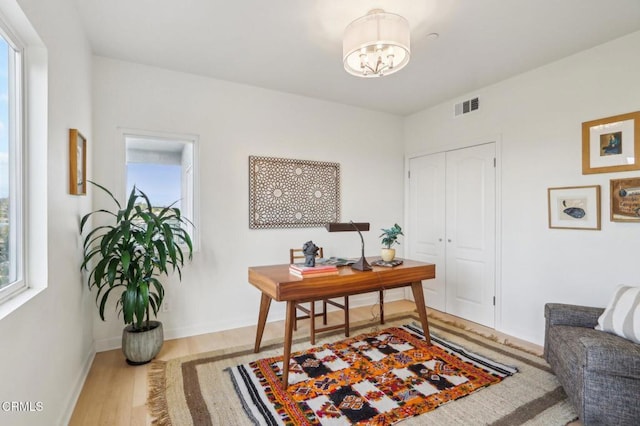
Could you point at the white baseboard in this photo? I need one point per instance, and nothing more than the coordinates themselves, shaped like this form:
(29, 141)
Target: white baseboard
(77, 388)
(194, 330)
(108, 344)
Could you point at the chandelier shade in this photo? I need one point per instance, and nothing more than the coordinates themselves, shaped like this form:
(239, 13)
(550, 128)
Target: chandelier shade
(376, 44)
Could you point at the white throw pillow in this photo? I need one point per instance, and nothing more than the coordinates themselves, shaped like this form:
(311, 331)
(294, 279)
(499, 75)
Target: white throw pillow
(622, 315)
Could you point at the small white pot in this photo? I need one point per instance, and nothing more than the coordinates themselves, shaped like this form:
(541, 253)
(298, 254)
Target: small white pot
(388, 254)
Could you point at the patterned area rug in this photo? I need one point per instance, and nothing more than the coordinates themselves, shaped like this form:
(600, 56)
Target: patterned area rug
(377, 378)
(198, 390)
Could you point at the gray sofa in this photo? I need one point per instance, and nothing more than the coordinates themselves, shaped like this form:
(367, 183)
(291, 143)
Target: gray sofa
(600, 372)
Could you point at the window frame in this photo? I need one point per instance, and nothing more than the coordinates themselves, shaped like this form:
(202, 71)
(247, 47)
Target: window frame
(31, 133)
(185, 138)
(16, 165)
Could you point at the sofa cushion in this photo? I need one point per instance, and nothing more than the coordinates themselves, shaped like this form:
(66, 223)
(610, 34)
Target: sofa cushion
(622, 315)
(580, 348)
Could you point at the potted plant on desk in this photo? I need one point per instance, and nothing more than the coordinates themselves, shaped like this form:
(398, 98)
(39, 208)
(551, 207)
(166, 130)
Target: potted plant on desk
(389, 238)
(126, 257)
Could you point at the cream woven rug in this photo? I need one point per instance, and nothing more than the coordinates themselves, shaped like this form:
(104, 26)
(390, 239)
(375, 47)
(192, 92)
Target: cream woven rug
(197, 390)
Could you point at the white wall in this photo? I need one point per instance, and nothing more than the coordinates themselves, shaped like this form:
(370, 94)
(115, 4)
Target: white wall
(233, 122)
(536, 117)
(47, 343)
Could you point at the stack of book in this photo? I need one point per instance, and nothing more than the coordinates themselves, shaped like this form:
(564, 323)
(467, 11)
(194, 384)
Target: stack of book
(300, 270)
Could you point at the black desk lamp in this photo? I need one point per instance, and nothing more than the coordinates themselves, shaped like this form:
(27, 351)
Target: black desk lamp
(360, 265)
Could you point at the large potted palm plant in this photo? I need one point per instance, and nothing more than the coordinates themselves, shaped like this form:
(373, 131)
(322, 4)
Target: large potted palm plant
(126, 256)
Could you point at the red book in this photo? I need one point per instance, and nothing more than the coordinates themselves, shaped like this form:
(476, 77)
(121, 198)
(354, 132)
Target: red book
(313, 275)
(300, 269)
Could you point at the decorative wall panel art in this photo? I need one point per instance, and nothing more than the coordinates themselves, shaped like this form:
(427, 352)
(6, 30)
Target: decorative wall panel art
(288, 193)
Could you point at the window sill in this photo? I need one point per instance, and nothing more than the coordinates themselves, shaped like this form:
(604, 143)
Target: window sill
(10, 305)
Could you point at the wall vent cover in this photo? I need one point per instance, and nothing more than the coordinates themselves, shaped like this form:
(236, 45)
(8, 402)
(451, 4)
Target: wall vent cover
(466, 106)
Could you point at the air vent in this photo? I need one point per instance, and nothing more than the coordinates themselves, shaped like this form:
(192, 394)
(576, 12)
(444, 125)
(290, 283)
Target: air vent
(466, 106)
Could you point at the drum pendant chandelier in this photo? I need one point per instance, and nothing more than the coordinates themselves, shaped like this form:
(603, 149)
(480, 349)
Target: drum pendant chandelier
(376, 44)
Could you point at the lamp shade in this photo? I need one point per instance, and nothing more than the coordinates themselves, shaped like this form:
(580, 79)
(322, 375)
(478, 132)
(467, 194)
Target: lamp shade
(376, 44)
(362, 264)
(347, 226)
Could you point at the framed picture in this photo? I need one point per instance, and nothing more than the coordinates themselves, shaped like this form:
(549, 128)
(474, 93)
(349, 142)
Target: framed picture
(77, 163)
(625, 200)
(611, 144)
(574, 207)
(290, 193)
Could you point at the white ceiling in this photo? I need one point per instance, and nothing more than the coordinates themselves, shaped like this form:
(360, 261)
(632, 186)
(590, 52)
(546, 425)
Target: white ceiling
(295, 45)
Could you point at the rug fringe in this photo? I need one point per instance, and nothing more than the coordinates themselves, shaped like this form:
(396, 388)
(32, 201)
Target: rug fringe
(506, 342)
(491, 336)
(157, 397)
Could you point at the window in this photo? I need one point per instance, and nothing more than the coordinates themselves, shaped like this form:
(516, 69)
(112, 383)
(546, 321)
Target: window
(11, 200)
(23, 160)
(163, 167)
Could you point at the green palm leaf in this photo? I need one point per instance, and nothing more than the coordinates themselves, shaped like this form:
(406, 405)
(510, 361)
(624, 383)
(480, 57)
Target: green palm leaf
(138, 244)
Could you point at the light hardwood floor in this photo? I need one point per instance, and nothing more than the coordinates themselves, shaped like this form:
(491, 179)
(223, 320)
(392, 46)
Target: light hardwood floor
(116, 393)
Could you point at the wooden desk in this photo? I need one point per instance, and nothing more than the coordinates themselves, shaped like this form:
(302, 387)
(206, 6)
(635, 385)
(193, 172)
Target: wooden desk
(277, 284)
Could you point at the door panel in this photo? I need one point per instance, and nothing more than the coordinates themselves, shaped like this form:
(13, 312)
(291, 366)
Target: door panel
(467, 289)
(470, 231)
(426, 222)
(451, 211)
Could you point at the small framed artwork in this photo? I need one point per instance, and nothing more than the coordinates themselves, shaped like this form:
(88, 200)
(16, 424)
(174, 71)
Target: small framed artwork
(574, 207)
(611, 144)
(77, 163)
(625, 200)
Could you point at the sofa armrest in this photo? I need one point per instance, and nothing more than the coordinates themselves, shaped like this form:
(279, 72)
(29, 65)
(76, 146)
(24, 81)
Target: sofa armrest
(612, 355)
(571, 315)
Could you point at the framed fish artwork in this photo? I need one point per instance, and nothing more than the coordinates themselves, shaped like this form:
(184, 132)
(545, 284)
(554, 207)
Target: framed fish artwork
(574, 207)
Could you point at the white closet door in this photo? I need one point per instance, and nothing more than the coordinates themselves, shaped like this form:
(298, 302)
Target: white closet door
(470, 233)
(426, 229)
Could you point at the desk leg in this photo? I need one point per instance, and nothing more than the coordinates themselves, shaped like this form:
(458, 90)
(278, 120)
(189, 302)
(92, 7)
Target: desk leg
(288, 335)
(418, 296)
(265, 303)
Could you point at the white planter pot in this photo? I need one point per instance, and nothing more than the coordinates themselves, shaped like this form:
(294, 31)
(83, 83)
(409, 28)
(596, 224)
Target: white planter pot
(140, 347)
(388, 254)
